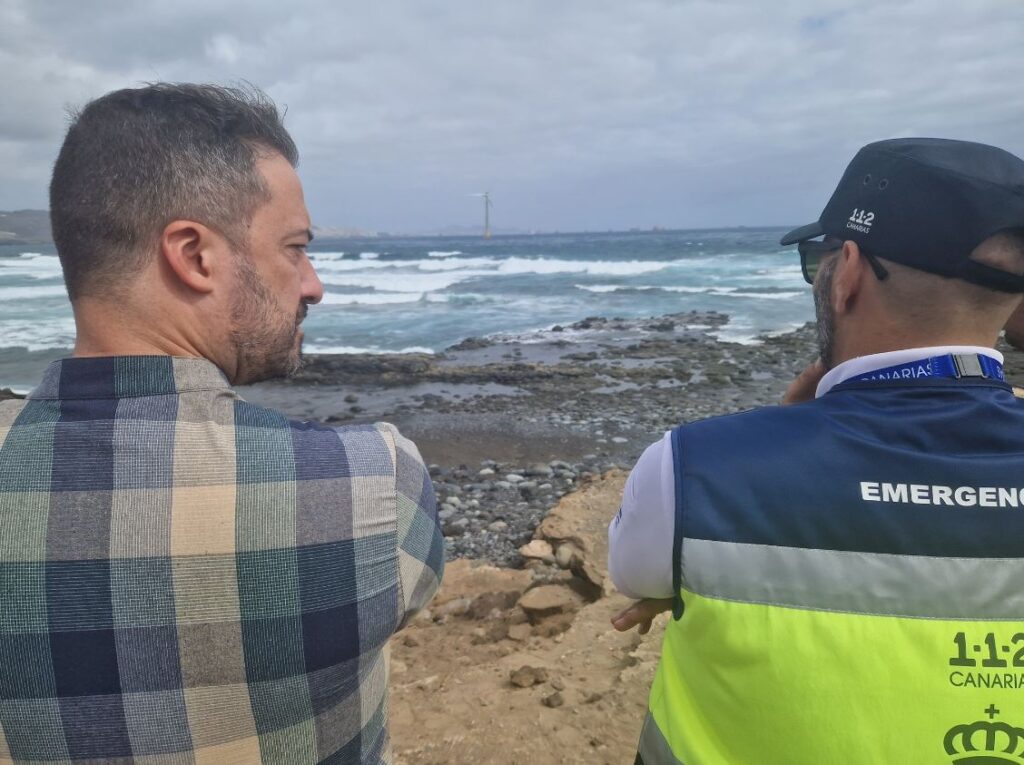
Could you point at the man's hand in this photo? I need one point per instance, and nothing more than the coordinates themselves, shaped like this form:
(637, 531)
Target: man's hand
(805, 385)
(642, 612)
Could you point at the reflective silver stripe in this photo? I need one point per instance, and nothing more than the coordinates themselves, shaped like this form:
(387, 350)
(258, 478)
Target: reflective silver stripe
(856, 582)
(654, 749)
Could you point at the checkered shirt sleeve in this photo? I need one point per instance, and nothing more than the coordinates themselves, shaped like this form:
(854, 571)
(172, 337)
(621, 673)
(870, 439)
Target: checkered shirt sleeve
(420, 541)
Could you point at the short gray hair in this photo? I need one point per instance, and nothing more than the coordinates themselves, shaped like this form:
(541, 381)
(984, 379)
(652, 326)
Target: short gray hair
(137, 159)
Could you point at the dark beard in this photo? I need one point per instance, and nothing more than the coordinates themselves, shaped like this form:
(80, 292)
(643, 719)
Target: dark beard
(265, 348)
(824, 311)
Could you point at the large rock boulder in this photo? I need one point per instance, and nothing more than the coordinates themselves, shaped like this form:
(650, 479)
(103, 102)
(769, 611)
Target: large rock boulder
(577, 529)
(538, 549)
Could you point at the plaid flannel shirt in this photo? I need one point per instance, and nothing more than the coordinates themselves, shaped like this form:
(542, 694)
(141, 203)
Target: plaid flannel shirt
(188, 578)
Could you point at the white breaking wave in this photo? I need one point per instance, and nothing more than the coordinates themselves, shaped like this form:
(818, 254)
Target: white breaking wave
(602, 288)
(716, 291)
(380, 298)
(785, 329)
(514, 266)
(768, 295)
(400, 282)
(369, 255)
(37, 335)
(350, 349)
(32, 264)
(592, 267)
(32, 293)
(454, 264)
(781, 273)
(339, 265)
(443, 254)
(701, 290)
(742, 335)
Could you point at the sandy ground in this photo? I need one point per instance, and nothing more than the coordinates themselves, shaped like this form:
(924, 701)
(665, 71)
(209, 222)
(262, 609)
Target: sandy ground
(453, 699)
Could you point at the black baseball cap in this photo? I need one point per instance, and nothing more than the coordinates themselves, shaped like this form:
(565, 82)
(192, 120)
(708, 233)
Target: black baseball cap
(927, 203)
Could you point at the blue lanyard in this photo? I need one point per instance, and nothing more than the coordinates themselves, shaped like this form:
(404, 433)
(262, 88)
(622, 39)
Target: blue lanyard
(950, 365)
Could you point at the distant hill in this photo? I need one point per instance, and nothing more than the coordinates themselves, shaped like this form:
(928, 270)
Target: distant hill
(25, 227)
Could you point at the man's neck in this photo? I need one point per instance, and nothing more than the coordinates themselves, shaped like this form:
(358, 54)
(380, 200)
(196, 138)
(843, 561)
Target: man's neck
(86, 346)
(104, 330)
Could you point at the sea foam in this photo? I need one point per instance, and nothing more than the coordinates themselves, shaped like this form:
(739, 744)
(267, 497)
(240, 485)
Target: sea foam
(36, 335)
(31, 264)
(32, 293)
(400, 282)
(734, 292)
(350, 349)
(379, 298)
(517, 265)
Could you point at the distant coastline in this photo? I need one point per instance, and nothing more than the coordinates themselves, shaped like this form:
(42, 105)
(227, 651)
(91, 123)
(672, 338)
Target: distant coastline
(32, 227)
(25, 227)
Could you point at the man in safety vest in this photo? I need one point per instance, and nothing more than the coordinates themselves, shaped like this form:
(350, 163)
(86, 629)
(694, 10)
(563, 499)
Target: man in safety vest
(846, 574)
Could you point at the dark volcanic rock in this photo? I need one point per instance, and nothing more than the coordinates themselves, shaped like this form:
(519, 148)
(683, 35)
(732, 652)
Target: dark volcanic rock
(472, 344)
(385, 368)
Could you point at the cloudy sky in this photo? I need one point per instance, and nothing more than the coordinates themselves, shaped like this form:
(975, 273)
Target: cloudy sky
(575, 114)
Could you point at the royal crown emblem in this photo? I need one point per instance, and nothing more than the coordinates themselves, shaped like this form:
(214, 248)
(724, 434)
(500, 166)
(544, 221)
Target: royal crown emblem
(985, 742)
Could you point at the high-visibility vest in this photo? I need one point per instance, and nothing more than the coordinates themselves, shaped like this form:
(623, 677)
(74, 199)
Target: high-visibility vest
(851, 581)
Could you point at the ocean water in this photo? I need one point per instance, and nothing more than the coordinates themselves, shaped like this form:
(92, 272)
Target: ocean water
(424, 294)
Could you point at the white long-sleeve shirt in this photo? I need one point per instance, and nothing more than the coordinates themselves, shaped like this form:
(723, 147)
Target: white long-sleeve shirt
(640, 536)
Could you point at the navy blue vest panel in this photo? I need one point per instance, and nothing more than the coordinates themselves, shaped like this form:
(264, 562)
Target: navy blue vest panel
(929, 467)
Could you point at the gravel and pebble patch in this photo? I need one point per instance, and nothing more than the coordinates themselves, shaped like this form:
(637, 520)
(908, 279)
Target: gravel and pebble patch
(490, 511)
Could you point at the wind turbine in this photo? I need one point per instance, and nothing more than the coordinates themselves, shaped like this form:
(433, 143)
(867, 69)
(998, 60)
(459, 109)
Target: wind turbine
(487, 212)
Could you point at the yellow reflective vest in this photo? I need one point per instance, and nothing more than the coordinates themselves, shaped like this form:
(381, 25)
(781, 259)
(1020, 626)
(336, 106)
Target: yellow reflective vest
(851, 583)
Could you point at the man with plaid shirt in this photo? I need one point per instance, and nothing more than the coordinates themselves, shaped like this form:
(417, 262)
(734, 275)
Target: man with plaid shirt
(186, 577)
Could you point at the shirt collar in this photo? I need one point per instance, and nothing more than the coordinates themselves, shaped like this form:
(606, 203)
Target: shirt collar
(123, 376)
(864, 364)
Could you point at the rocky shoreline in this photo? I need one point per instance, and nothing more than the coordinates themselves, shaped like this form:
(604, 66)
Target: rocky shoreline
(511, 424)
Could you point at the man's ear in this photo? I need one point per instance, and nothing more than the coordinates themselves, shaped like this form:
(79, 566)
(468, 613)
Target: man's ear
(849, 277)
(195, 254)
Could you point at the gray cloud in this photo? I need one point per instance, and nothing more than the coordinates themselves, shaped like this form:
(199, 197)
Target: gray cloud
(576, 114)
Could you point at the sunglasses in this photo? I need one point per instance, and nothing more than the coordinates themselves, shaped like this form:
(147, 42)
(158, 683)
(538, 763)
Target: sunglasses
(812, 253)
